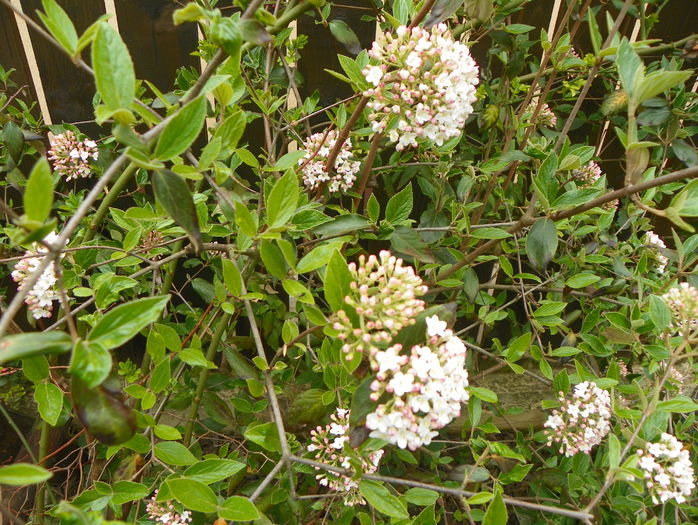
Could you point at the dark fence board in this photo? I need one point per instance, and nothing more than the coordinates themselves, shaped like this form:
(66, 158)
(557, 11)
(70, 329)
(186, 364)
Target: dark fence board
(68, 90)
(158, 46)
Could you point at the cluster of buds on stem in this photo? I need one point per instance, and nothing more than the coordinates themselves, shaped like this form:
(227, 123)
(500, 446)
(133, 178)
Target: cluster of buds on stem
(424, 85)
(582, 421)
(40, 298)
(426, 387)
(683, 301)
(546, 117)
(318, 147)
(588, 174)
(653, 240)
(165, 513)
(328, 445)
(70, 157)
(384, 297)
(667, 470)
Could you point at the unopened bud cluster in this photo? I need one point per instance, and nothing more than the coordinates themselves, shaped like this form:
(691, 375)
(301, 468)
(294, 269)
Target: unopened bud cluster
(318, 147)
(426, 387)
(683, 301)
(384, 296)
(328, 443)
(546, 117)
(70, 157)
(165, 513)
(40, 298)
(582, 421)
(588, 174)
(657, 243)
(667, 470)
(424, 85)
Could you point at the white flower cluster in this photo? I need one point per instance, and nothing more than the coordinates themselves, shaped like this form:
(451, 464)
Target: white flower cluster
(327, 443)
(588, 174)
(657, 243)
(546, 117)
(668, 470)
(71, 157)
(40, 298)
(384, 296)
(318, 147)
(683, 301)
(424, 85)
(166, 515)
(427, 387)
(582, 421)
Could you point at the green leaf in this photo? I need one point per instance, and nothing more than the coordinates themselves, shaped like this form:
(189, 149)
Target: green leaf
(421, 497)
(382, 499)
(182, 130)
(347, 223)
(544, 181)
(659, 313)
(174, 453)
(630, 69)
(541, 243)
(373, 208)
(581, 280)
(686, 202)
(316, 258)
(265, 435)
(485, 394)
(613, 451)
(659, 81)
(213, 470)
(288, 161)
(231, 130)
(254, 32)
(20, 474)
(345, 35)
(224, 32)
(679, 404)
(49, 399)
(245, 220)
(114, 73)
(489, 233)
(195, 357)
(91, 362)
(173, 194)
(193, 494)
(232, 278)
(13, 138)
(352, 69)
(38, 195)
(496, 511)
(282, 201)
(337, 281)
(402, 10)
(238, 508)
(594, 33)
(23, 346)
(125, 321)
(125, 491)
(399, 206)
(59, 25)
(273, 259)
(166, 432)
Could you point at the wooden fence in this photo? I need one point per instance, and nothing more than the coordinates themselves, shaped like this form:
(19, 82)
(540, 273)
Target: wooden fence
(64, 93)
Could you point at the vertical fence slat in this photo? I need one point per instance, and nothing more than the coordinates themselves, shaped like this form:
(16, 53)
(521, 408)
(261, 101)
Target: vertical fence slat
(321, 51)
(69, 91)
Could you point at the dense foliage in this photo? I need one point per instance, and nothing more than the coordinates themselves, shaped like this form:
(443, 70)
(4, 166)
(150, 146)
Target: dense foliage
(424, 304)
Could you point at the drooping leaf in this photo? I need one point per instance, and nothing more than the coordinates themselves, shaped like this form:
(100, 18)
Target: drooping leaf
(541, 243)
(173, 194)
(91, 362)
(103, 412)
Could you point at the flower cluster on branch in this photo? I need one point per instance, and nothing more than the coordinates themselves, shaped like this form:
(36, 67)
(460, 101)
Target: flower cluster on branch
(70, 156)
(40, 298)
(318, 147)
(667, 470)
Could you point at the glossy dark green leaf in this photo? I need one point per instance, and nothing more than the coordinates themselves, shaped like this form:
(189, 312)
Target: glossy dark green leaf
(91, 362)
(174, 196)
(13, 139)
(125, 321)
(23, 346)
